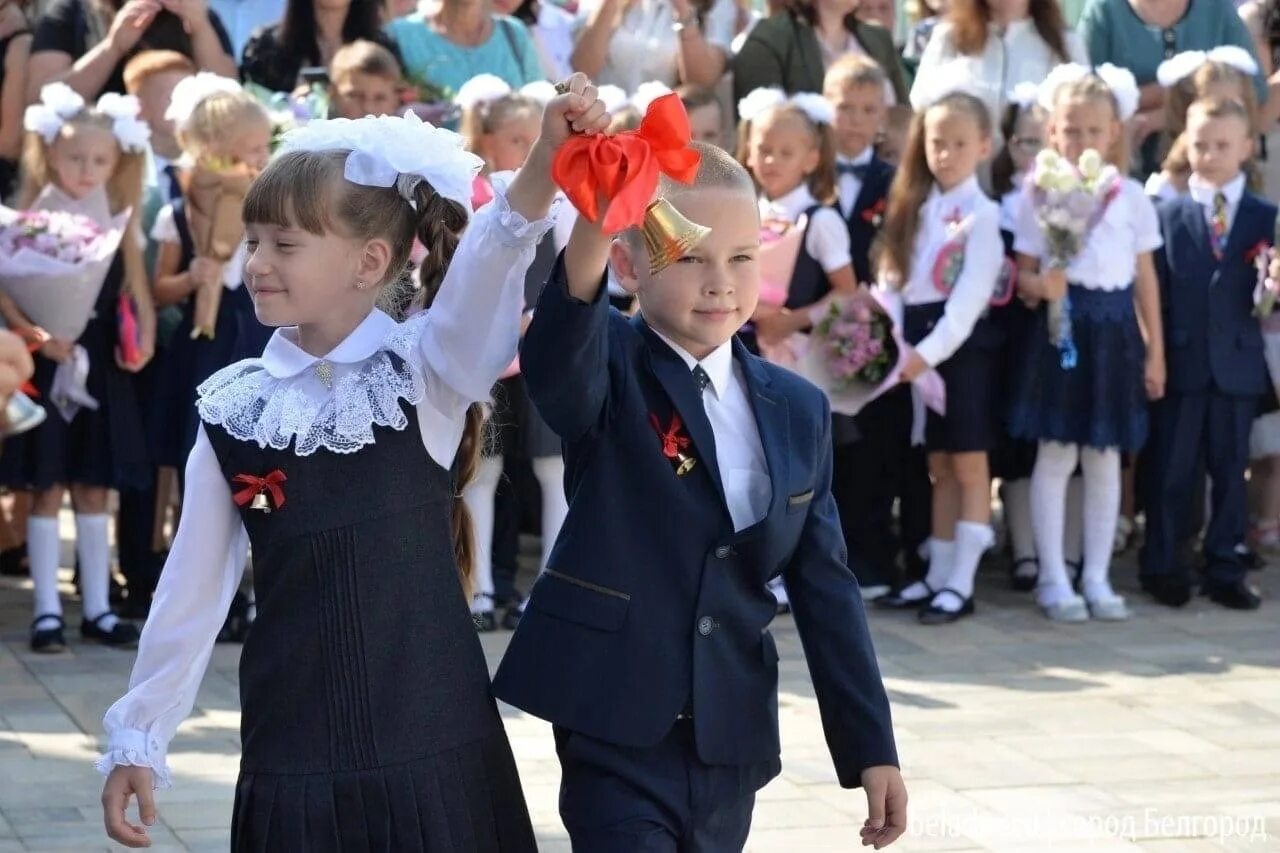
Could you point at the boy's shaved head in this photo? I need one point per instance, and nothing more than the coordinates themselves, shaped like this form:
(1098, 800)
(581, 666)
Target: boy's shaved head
(718, 170)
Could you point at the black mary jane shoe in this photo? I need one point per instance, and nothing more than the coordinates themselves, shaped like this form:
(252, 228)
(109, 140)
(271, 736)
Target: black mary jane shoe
(896, 601)
(123, 635)
(932, 614)
(1019, 582)
(511, 619)
(14, 562)
(48, 641)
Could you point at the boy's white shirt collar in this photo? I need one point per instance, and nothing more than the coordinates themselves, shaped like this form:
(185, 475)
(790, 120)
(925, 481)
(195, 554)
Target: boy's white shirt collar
(718, 365)
(790, 205)
(1203, 192)
(283, 358)
(861, 160)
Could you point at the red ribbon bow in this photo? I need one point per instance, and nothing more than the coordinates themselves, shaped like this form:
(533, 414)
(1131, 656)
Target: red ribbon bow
(672, 440)
(253, 486)
(874, 212)
(1252, 253)
(625, 167)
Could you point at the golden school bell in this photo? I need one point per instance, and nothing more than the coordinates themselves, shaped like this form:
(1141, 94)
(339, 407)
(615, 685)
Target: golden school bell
(668, 235)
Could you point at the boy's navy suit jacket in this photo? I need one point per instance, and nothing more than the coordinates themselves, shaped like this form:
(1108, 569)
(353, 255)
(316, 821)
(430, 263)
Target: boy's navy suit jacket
(651, 604)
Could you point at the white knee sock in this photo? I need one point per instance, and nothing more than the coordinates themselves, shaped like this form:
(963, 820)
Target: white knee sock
(1073, 532)
(1016, 495)
(550, 473)
(1054, 465)
(43, 550)
(972, 540)
(941, 559)
(94, 551)
(1101, 511)
(478, 496)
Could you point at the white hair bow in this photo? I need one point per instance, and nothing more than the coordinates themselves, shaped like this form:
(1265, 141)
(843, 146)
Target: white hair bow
(541, 91)
(190, 91)
(615, 99)
(1178, 68)
(481, 89)
(1026, 94)
(1121, 82)
(129, 129)
(759, 101)
(59, 103)
(390, 151)
(647, 93)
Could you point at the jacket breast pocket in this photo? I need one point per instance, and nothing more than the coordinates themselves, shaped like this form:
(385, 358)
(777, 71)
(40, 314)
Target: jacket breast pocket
(800, 502)
(581, 602)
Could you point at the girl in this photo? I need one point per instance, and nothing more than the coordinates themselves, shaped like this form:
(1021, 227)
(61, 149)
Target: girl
(339, 454)
(1224, 72)
(500, 125)
(1089, 413)
(91, 160)
(941, 247)
(786, 144)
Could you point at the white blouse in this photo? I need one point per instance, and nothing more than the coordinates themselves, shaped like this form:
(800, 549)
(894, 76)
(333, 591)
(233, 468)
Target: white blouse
(827, 239)
(1019, 56)
(983, 257)
(448, 358)
(165, 230)
(1109, 259)
(645, 47)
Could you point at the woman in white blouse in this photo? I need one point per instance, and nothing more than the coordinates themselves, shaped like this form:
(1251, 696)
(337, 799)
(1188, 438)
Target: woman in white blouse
(996, 44)
(628, 42)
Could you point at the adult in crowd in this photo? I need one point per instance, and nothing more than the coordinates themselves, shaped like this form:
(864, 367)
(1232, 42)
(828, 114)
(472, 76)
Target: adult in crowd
(996, 44)
(308, 36)
(792, 48)
(552, 30)
(243, 18)
(86, 43)
(1140, 34)
(628, 42)
(461, 39)
(15, 49)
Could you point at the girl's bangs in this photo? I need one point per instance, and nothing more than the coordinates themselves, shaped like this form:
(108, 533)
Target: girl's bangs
(294, 191)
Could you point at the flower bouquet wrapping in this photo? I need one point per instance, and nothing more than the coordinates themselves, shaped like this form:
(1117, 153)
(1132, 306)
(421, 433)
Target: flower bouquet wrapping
(214, 195)
(855, 355)
(1068, 201)
(779, 248)
(1267, 290)
(55, 256)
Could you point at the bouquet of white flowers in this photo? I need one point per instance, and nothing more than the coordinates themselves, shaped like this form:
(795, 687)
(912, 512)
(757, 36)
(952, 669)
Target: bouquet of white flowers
(1068, 200)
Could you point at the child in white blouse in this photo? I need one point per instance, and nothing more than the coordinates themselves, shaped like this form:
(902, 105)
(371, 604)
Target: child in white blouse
(340, 453)
(941, 246)
(1087, 414)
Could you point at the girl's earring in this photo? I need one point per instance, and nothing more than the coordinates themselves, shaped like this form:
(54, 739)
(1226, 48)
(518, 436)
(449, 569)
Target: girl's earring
(360, 285)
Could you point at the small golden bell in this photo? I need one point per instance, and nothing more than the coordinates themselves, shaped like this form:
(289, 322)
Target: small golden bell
(684, 463)
(668, 235)
(260, 502)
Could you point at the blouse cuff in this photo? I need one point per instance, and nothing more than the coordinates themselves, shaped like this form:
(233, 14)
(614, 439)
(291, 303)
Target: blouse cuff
(132, 747)
(510, 226)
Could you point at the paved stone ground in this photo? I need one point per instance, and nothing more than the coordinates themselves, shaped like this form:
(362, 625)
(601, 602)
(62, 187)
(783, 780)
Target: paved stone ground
(1159, 734)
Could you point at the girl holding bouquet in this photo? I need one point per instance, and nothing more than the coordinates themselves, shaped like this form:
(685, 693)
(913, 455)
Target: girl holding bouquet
(89, 161)
(1083, 390)
(941, 246)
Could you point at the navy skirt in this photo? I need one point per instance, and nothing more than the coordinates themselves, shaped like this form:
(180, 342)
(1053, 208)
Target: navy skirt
(1102, 401)
(1013, 458)
(972, 422)
(103, 448)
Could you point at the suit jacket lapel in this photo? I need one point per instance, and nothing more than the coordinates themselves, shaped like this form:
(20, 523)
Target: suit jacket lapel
(873, 188)
(1239, 228)
(1198, 228)
(772, 420)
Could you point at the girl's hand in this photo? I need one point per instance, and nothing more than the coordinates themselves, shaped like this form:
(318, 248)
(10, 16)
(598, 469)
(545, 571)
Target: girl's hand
(1153, 376)
(912, 366)
(130, 22)
(124, 782)
(56, 349)
(579, 110)
(204, 272)
(1053, 283)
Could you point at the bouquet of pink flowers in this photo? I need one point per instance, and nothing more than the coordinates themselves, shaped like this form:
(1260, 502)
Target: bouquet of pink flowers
(857, 344)
(54, 258)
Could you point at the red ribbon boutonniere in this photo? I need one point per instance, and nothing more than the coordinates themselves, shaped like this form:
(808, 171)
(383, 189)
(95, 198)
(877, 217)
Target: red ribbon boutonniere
(1254, 251)
(874, 215)
(674, 441)
(624, 168)
(257, 489)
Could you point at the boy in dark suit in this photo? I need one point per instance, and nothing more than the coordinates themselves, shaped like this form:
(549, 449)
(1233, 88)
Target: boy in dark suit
(695, 472)
(1213, 342)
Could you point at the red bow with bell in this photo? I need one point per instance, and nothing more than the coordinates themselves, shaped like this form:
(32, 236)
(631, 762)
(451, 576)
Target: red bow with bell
(257, 489)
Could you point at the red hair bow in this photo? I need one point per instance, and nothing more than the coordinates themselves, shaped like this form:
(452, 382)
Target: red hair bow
(625, 168)
(254, 486)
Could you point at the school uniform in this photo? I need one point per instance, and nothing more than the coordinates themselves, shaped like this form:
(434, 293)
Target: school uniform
(1101, 402)
(949, 330)
(1217, 374)
(646, 640)
(367, 716)
(1012, 458)
(863, 185)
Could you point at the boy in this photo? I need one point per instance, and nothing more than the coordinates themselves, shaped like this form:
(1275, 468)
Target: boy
(152, 76)
(1213, 343)
(364, 80)
(706, 114)
(696, 472)
(874, 461)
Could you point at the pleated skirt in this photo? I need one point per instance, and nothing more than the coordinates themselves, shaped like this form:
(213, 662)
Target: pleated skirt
(463, 800)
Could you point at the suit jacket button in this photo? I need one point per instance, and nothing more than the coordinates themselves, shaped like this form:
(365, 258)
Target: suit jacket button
(723, 552)
(706, 625)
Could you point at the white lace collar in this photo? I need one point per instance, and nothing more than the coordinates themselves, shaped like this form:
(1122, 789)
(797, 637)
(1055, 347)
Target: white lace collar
(292, 397)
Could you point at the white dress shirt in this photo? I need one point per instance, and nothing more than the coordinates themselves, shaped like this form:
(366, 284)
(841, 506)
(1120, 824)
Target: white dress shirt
(645, 47)
(849, 185)
(449, 357)
(1202, 192)
(983, 257)
(739, 452)
(1109, 259)
(827, 239)
(165, 230)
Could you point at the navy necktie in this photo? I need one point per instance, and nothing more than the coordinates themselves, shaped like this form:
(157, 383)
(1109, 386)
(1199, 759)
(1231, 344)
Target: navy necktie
(700, 376)
(175, 191)
(858, 170)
